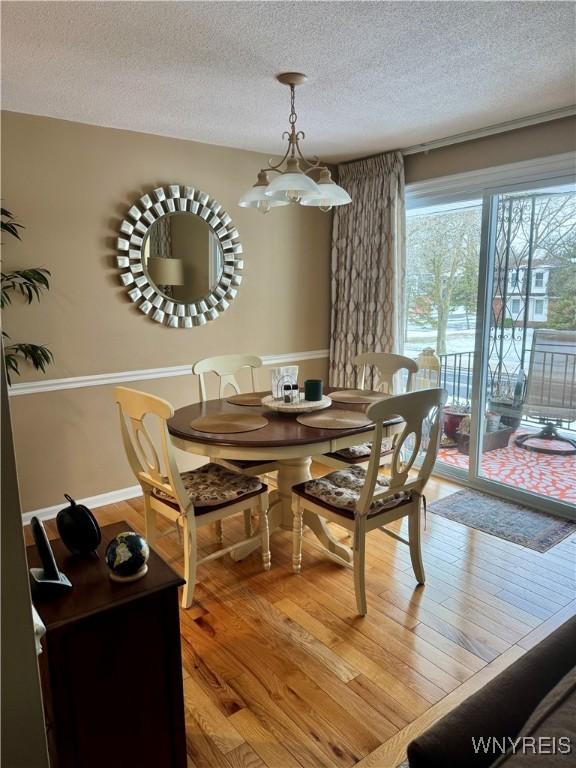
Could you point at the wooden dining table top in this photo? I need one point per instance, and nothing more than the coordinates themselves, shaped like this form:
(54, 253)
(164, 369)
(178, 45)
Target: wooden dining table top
(281, 430)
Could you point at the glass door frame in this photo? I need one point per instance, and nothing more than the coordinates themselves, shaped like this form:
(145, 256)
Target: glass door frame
(472, 477)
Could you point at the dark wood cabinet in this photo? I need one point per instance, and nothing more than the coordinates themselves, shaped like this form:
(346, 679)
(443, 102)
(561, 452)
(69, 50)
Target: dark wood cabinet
(111, 667)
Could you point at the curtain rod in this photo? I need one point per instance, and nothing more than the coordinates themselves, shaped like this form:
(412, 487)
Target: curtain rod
(479, 133)
(490, 130)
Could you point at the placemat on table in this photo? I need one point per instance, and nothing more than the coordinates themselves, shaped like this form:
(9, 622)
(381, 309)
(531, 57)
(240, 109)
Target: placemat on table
(358, 396)
(335, 419)
(229, 423)
(247, 399)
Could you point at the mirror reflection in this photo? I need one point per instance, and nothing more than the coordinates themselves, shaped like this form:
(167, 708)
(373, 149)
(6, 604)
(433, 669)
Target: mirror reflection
(182, 257)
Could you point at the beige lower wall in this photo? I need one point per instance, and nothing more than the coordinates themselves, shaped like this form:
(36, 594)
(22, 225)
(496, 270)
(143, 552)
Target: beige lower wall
(70, 185)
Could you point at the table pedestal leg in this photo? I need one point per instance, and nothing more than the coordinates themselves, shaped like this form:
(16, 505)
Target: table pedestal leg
(294, 471)
(291, 472)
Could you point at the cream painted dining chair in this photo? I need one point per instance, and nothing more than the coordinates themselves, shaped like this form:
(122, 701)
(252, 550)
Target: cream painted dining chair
(226, 368)
(363, 500)
(190, 499)
(389, 366)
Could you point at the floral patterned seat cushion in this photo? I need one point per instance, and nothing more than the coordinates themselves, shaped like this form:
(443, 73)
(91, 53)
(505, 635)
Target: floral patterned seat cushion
(213, 485)
(364, 450)
(342, 489)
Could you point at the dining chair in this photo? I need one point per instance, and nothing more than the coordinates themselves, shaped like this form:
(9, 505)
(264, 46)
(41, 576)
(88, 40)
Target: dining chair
(226, 367)
(190, 499)
(388, 365)
(362, 500)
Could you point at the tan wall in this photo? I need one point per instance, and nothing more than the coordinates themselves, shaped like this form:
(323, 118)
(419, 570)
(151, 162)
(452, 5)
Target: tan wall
(71, 184)
(553, 138)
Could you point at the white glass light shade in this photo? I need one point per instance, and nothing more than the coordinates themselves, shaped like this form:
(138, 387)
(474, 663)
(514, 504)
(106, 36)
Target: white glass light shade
(255, 197)
(330, 193)
(292, 184)
(290, 187)
(165, 271)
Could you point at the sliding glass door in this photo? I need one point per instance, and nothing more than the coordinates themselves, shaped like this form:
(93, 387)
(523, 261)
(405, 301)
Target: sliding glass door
(491, 287)
(524, 413)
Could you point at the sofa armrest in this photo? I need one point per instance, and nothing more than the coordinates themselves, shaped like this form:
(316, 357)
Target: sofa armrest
(500, 708)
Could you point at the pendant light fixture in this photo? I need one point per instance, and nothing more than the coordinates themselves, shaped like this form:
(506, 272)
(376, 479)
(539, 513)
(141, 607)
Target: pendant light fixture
(298, 180)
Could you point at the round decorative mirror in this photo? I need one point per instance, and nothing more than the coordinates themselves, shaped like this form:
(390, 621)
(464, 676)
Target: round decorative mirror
(179, 256)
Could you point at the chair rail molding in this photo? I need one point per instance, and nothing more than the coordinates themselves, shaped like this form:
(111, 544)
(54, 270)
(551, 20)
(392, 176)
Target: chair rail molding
(102, 379)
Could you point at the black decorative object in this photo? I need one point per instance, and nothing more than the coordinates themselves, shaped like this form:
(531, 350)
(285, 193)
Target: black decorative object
(78, 528)
(313, 389)
(47, 577)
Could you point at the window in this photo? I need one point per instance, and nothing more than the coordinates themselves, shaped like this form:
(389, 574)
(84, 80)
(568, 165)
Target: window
(539, 280)
(515, 307)
(538, 308)
(442, 258)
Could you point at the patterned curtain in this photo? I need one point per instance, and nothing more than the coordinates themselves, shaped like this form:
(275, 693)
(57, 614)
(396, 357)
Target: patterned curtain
(368, 265)
(161, 246)
(161, 239)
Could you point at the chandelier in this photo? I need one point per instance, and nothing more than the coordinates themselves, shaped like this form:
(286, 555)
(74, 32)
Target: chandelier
(294, 183)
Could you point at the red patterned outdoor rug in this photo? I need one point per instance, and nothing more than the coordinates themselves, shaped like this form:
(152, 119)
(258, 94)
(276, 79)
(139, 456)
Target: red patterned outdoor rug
(504, 519)
(553, 476)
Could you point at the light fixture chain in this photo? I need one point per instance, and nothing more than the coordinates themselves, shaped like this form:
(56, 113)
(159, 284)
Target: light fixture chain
(293, 116)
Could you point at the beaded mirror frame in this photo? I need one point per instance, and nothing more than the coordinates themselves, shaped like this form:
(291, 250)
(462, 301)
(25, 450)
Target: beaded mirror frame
(147, 297)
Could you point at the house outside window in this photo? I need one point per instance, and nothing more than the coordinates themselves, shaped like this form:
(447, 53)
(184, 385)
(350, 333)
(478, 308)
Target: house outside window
(515, 307)
(514, 280)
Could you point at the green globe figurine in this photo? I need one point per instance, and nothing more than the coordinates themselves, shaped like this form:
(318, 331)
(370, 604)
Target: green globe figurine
(127, 556)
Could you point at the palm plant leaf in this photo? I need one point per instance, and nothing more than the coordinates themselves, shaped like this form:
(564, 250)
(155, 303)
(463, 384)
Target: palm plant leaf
(28, 282)
(35, 354)
(9, 225)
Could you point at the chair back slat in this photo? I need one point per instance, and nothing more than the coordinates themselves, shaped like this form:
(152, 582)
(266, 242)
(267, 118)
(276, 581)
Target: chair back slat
(225, 367)
(151, 459)
(388, 365)
(421, 413)
(551, 385)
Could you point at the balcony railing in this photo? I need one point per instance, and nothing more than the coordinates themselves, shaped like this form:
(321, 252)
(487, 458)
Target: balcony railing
(550, 396)
(456, 376)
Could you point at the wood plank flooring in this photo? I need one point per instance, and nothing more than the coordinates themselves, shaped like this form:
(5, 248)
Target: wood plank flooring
(280, 672)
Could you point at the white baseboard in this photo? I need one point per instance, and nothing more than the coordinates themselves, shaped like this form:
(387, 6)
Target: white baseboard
(101, 500)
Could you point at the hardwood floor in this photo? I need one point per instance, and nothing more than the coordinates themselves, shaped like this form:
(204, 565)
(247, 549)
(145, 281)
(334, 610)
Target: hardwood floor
(280, 672)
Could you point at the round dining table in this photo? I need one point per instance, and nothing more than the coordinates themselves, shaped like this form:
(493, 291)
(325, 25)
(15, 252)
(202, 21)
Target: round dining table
(284, 441)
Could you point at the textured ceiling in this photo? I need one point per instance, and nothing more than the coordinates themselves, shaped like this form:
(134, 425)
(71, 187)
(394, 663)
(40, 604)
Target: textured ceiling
(382, 75)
